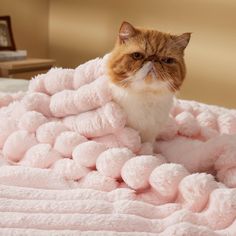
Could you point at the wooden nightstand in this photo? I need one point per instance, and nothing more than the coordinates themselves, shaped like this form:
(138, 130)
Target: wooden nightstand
(25, 69)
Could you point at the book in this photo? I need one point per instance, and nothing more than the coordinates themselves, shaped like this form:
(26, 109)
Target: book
(13, 55)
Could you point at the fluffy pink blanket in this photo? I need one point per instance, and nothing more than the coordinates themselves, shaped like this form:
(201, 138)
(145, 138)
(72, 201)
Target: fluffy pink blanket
(71, 166)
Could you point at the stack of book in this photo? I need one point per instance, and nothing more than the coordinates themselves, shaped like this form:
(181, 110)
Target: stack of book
(13, 55)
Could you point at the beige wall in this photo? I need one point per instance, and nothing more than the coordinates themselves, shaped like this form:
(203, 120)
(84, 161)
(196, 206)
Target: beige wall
(29, 24)
(83, 29)
(80, 30)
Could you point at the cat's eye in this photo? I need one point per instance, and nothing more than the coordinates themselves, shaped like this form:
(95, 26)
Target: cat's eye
(168, 60)
(137, 56)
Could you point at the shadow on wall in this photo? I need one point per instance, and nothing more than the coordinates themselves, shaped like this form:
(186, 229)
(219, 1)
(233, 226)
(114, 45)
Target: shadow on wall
(81, 30)
(85, 28)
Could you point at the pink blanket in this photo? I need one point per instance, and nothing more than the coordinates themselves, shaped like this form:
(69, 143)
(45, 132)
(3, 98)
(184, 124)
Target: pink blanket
(69, 165)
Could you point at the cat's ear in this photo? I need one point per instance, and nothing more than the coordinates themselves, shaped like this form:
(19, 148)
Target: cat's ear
(126, 31)
(181, 41)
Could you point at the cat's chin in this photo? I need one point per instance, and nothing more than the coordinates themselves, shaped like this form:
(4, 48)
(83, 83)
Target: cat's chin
(148, 83)
(147, 86)
(142, 86)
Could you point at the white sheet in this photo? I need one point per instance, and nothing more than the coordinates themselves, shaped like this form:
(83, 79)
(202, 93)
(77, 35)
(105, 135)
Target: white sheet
(13, 85)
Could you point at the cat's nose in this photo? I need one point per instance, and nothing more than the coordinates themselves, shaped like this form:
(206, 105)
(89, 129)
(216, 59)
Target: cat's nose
(152, 58)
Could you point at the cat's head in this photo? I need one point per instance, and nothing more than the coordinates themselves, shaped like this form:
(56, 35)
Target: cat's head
(151, 59)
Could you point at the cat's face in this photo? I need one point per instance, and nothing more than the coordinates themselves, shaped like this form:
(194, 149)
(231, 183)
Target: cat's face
(149, 59)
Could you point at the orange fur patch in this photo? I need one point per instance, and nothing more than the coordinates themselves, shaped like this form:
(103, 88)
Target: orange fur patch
(155, 46)
(148, 78)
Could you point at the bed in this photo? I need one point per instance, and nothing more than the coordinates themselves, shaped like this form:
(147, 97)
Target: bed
(69, 165)
(13, 85)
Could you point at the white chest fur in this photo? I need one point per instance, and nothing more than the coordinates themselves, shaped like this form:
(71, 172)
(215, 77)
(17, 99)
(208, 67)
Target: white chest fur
(146, 111)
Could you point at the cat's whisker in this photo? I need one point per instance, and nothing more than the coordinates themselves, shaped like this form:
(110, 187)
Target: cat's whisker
(172, 86)
(128, 79)
(165, 76)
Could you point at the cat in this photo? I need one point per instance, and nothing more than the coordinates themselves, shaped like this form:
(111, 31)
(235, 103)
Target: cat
(146, 68)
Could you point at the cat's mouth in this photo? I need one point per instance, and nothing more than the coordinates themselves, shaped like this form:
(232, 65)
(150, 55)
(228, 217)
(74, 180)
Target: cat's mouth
(153, 73)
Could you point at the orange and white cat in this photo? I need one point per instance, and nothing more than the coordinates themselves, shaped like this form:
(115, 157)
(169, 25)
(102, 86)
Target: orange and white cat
(146, 68)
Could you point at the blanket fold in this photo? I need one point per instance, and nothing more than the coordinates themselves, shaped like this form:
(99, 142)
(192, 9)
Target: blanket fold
(70, 165)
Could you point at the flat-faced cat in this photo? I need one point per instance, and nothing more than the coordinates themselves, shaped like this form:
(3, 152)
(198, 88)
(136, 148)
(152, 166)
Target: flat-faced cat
(146, 68)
